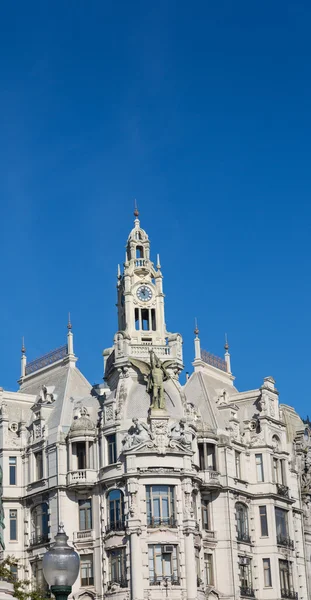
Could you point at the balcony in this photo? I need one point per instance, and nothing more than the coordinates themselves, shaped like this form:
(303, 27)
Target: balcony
(115, 526)
(283, 540)
(143, 351)
(165, 522)
(161, 580)
(247, 592)
(243, 537)
(208, 533)
(86, 535)
(81, 478)
(282, 490)
(37, 540)
(210, 479)
(290, 594)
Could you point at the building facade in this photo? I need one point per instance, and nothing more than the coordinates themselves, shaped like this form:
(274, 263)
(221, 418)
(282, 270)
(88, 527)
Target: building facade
(194, 491)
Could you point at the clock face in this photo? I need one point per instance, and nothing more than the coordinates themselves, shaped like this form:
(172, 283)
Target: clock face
(144, 293)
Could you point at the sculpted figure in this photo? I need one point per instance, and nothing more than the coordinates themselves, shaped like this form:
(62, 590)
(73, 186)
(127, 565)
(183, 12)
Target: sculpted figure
(137, 434)
(156, 374)
(182, 433)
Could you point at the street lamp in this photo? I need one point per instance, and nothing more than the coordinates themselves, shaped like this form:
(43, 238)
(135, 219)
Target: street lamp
(61, 566)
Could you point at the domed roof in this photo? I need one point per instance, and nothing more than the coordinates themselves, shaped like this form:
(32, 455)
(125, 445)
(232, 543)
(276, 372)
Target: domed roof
(82, 426)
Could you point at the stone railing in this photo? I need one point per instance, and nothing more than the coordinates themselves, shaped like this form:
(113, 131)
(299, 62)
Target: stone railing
(143, 351)
(214, 361)
(210, 478)
(82, 477)
(85, 535)
(47, 359)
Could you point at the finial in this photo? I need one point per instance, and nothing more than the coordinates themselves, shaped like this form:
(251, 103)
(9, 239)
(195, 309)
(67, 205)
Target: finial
(158, 262)
(119, 272)
(226, 343)
(23, 349)
(61, 528)
(196, 330)
(69, 326)
(136, 212)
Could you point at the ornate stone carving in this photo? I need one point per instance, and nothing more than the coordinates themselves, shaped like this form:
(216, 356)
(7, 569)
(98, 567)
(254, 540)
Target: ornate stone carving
(182, 433)
(138, 433)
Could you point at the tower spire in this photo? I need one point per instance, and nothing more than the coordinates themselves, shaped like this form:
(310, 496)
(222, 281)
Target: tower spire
(227, 355)
(23, 358)
(70, 351)
(197, 344)
(136, 211)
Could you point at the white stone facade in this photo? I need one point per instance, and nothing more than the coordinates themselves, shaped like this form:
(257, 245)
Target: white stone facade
(187, 492)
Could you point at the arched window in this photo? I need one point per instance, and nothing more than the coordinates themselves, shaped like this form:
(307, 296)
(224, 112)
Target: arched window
(115, 510)
(276, 443)
(40, 524)
(139, 252)
(242, 522)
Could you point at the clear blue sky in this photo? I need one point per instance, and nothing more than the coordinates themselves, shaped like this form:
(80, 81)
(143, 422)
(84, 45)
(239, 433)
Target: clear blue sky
(200, 110)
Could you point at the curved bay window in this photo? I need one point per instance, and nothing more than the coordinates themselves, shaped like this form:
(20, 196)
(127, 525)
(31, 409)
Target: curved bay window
(115, 511)
(242, 522)
(40, 524)
(160, 505)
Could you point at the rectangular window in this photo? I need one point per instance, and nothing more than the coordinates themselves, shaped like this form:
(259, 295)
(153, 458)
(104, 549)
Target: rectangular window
(281, 525)
(85, 514)
(286, 580)
(117, 566)
(145, 319)
(137, 326)
(198, 566)
(207, 456)
(205, 514)
(86, 570)
(39, 465)
(13, 525)
(245, 573)
(12, 469)
(259, 467)
(163, 564)
(153, 319)
(263, 521)
(237, 457)
(13, 571)
(208, 569)
(81, 455)
(267, 572)
(112, 449)
(160, 505)
(38, 577)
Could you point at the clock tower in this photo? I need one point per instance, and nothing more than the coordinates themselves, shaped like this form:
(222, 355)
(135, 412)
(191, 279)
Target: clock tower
(140, 303)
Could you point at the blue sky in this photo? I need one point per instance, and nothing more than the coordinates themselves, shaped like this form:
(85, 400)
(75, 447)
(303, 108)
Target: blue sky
(199, 110)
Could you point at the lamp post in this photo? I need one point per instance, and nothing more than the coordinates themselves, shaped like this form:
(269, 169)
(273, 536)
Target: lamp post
(61, 566)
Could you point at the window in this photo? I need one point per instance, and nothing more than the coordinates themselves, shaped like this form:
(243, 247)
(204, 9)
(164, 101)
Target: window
(286, 579)
(115, 511)
(281, 526)
(245, 575)
(40, 524)
(12, 469)
(139, 252)
(153, 320)
(117, 566)
(39, 465)
(259, 468)
(112, 449)
(145, 319)
(237, 457)
(267, 572)
(137, 325)
(208, 569)
(198, 566)
(242, 522)
(85, 514)
(13, 525)
(263, 521)
(37, 574)
(160, 505)
(81, 455)
(13, 571)
(163, 564)
(205, 514)
(86, 570)
(207, 456)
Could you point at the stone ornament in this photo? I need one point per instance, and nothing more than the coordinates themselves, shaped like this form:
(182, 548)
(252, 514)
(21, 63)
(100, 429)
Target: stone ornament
(155, 376)
(138, 433)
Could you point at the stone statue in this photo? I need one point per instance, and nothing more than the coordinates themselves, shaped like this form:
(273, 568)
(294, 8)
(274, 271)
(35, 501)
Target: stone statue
(138, 433)
(182, 433)
(155, 374)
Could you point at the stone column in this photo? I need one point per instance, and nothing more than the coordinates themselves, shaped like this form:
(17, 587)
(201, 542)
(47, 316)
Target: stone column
(191, 575)
(87, 456)
(137, 585)
(70, 455)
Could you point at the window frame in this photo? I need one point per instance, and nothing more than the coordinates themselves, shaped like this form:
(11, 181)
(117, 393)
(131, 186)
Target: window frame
(39, 470)
(85, 513)
(117, 562)
(287, 579)
(260, 473)
(13, 523)
(164, 501)
(87, 562)
(115, 507)
(242, 522)
(208, 568)
(205, 512)
(267, 571)
(154, 552)
(263, 518)
(111, 441)
(13, 470)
